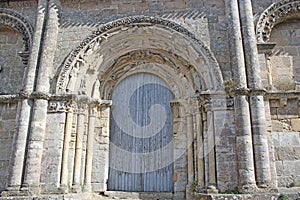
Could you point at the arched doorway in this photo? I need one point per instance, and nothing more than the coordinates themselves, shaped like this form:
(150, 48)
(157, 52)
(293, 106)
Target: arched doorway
(141, 139)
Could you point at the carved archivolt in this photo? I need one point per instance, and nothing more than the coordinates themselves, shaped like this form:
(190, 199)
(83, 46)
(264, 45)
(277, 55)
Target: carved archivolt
(275, 14)
(155, 32)
(18, 22)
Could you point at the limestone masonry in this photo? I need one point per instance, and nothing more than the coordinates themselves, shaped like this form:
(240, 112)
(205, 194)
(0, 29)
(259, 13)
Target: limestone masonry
(149, 99)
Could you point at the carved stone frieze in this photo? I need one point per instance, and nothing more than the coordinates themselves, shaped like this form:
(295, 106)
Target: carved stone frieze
(275, 14)
(115, 27)
(16, 21)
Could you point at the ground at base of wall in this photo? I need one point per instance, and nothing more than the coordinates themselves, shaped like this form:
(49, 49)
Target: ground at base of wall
(283, 194)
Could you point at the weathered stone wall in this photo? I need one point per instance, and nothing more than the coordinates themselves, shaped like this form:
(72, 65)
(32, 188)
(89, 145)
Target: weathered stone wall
(287, 155)
(7, 129)
(285, 61)
(286, 140)
(209, 22)
(27, 8)
(225, 151)
(11, 66)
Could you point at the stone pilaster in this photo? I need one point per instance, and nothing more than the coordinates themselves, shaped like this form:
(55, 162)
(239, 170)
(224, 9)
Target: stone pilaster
(103, 144)
(89, 149)
(260, 141)
(32, 170)
(246, 174)
(78, 150)
(24, 111)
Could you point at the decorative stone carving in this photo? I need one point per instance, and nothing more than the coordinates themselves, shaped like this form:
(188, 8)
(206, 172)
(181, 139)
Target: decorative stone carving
(56, 106)
(273, 15)
(89, 44)
(16, 21)
(73, 77)
(96, 89)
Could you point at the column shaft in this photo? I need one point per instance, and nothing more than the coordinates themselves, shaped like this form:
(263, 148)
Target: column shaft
(38, 125)
(89, 150)
(66, 148)
(24, 111)
(78, 152)
(200, 147)
(261, 149)
(246, 173)
(211, 152)
(190, 152)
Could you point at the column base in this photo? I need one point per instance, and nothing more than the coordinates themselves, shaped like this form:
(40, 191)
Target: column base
(11, 191)
(77, 189)
(87, 188)
(248, 189)
(266, 187)
(211, 189)
(21, 191)
(63, 189)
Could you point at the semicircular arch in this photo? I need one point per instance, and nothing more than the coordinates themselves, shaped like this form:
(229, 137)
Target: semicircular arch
(275, 14)
(100, 51)
(19, 23)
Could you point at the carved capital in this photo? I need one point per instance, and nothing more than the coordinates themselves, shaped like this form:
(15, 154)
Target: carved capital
(56, 106)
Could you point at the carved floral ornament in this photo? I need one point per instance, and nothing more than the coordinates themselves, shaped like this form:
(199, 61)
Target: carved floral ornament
(100, 37)
(275, 14)
(16, 21)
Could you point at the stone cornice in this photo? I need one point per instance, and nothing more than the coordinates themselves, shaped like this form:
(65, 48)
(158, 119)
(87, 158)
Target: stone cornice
(276, 13)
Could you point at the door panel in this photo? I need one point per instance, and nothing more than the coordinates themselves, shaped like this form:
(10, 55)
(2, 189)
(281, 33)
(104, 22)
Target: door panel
(141, 137)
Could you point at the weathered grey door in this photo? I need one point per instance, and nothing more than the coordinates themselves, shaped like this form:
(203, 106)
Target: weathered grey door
(141, 142)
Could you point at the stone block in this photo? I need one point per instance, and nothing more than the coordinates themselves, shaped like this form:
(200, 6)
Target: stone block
(277, 126)
(289, 139)
(174, 4)
(282, 72)
(295, 124)
(284, 153)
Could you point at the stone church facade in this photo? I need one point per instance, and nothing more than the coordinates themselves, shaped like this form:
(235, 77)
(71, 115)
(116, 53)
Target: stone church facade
(175, 96)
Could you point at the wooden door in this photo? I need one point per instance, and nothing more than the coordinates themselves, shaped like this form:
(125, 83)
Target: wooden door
(141, 136)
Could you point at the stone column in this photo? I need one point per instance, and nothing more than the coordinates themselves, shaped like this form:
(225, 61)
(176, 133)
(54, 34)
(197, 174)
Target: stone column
(64, 181)
(89, 150)
(190, 149)
(78, 151)
(24, 107)
(260, 140)
(200, 150)
(211, 159)
(32, 170)
(246, 175)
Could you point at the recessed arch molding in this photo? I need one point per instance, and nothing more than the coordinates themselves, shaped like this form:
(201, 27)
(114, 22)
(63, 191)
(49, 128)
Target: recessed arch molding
(19, 23)
(102, 35)
(275, 14)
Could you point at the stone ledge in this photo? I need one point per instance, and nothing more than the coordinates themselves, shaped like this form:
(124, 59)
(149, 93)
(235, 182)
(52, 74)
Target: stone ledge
(262, 196)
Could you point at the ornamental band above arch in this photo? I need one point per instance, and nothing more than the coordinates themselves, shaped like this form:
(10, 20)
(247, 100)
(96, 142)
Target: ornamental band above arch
(19, 23)
(275, 14)
(129, 21)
